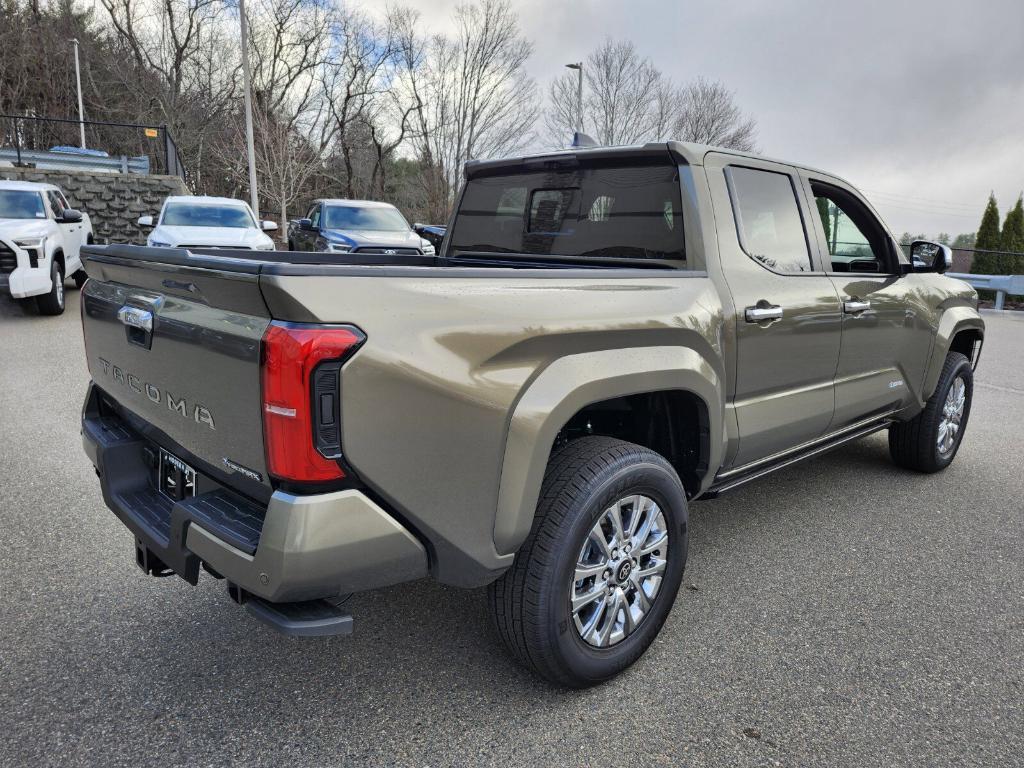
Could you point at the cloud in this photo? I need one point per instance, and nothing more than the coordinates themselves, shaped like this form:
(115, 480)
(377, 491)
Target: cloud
(918, 102)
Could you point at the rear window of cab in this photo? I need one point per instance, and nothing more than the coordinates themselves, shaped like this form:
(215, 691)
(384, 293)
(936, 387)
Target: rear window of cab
(629, 211)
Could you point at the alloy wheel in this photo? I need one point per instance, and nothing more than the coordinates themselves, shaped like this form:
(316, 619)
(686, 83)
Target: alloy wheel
(952, 415)
(619, 571)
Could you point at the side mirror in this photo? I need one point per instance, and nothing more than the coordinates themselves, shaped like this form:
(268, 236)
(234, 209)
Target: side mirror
(928, 256)
(268, 226)
(71, 216)
(146, 222)
(305, 223)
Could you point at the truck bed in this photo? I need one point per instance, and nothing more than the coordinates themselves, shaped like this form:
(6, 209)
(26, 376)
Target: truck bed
(425, 403)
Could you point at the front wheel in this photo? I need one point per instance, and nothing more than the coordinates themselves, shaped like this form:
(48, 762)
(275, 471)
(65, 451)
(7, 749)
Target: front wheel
(52, 303)
(80, 277)
(929, 441)
(596, 578)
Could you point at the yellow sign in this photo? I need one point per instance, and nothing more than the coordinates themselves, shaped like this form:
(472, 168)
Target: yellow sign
(151, 133)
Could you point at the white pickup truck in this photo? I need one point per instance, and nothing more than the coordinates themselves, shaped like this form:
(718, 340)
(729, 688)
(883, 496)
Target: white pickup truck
(40, 238)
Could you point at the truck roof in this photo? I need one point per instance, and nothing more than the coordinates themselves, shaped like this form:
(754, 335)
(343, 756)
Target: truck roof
(205, 200)
(27, 186)
(353, 203)
(682, 151)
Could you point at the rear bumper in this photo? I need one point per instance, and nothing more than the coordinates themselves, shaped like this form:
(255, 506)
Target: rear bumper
(294, 548)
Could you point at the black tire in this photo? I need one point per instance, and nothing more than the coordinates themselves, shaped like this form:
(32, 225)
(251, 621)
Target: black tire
(530, 604)
(80, 277)
(914, 444)
(52, 303)
(291, 246)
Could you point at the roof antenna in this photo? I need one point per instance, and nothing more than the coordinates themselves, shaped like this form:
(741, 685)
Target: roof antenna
(581, 140)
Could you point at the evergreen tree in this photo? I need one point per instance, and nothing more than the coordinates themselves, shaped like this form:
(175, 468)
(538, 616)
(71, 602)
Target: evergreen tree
(989, 239)
(1013, 240)
(1013, 228)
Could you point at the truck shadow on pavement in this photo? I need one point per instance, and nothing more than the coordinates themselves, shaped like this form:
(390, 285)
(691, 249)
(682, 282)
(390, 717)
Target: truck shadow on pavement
(422, 640)
(184, 671)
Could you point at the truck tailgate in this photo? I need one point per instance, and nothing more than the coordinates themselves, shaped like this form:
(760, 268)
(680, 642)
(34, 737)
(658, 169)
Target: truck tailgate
(178, 345)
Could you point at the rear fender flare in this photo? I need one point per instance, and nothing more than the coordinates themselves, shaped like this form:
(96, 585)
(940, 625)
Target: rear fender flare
(571, 383)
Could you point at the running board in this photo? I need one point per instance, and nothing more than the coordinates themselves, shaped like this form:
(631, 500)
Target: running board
(739, 477)
(308, 618)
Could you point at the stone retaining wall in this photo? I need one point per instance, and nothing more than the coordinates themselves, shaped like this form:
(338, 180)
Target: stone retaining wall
(113, 201)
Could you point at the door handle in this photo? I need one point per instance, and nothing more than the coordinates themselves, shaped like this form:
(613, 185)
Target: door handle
(855, 306)
(758, 314)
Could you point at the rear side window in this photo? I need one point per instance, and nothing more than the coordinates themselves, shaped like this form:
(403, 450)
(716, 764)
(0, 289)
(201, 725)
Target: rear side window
(610, 211)
(768, 221)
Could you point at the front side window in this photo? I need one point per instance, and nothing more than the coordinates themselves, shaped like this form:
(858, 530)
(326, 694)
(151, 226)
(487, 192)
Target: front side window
(374, 219)
(189, 215)
(57, 204)
(768, 221)
(314, 216)
(605, 210)
(19, 204)
(856, 240)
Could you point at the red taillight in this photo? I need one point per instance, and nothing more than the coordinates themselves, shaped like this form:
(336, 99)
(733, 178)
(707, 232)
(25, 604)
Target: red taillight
(291, 354)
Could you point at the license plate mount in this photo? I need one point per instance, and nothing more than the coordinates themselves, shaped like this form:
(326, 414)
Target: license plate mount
(177, 479)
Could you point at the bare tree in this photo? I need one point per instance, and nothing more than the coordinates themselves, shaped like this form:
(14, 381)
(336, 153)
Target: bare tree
(178, 59)
(367, 118)
(621, 97)
(472, 96)
(288, 42)
(707, 114)
(168, 38)
(285, 161)
(627, 101)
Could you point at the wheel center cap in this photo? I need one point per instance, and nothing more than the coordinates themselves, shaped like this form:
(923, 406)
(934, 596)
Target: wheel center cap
(624, 569)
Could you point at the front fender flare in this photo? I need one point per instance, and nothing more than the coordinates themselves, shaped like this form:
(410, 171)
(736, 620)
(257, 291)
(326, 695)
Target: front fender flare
(571, 383)
(953, 321)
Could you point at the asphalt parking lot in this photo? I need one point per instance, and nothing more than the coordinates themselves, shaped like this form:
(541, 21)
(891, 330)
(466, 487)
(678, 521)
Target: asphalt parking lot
(840, 612)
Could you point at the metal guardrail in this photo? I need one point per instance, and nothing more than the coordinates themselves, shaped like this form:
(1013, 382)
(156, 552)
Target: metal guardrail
(26, 134)
(1001, 284)
(67, 161)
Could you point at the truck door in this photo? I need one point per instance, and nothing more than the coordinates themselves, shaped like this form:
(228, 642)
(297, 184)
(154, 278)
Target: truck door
(70, 234)
(309, 235)
(788, 316)
(887, 325)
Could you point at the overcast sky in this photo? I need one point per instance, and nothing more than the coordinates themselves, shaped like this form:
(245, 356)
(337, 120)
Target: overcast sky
(919, 103)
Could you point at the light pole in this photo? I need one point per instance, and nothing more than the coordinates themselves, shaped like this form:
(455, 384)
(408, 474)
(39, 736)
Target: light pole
(250, 144)
(81, 112)
(578, 66)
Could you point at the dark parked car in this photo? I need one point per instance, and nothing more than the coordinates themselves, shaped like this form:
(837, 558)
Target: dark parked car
(356, 226)
(432, 233)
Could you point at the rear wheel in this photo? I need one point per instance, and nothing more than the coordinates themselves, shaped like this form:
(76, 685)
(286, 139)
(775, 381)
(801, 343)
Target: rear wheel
(80, 277)
(929, 441)
(52, 303)
(595, 580)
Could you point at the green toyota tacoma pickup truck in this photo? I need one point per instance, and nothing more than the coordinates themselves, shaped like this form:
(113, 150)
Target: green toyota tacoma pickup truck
(605, 336)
